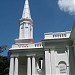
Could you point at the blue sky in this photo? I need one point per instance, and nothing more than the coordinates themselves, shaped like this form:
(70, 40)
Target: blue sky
(46, 15)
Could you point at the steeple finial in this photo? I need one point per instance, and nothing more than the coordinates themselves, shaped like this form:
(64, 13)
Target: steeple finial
(26, 11)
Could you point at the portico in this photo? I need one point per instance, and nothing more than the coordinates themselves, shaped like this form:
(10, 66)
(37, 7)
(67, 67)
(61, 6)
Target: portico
(22, 66)
(26, 63)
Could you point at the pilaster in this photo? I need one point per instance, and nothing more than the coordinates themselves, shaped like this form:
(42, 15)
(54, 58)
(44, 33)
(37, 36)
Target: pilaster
(53, 67)
(47, 62)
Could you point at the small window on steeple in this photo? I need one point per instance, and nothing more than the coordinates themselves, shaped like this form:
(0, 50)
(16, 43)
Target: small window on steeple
(22, 26)
(26, 27)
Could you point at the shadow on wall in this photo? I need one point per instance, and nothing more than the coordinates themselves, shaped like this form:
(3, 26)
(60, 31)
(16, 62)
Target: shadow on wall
(72, 61)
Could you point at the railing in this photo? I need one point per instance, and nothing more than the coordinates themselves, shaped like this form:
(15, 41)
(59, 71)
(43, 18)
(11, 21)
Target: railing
(27, 46)
(57, 35)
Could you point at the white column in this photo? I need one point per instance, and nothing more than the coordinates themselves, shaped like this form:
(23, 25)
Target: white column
(11, 70)
(53, 66)
(16, 66)
(33, 65)
(28, 66)
(47, 63)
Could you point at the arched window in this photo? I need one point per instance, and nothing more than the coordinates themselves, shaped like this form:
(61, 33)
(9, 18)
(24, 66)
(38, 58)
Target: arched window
(40, 63)
(62, 67)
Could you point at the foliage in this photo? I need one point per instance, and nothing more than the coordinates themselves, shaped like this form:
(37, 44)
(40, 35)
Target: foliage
(2, 48)
(4, 65)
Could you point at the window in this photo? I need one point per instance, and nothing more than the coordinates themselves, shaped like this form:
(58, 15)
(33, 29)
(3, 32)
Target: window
(40, 63)
(62, 67)
(26, 27)
(22, 26)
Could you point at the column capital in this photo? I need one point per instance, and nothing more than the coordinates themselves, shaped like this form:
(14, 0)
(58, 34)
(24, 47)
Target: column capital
(11, 56)
(31, 55)
(67, 48)
(47, 49)
(52, 48)
(14, 56)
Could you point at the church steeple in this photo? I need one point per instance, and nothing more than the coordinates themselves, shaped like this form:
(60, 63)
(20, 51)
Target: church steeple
(26, 24)
(26, 11)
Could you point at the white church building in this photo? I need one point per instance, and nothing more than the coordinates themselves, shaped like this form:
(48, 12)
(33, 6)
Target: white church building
(54, 55)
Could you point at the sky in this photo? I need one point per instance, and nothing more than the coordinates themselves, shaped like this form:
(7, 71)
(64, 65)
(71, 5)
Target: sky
(47, 15)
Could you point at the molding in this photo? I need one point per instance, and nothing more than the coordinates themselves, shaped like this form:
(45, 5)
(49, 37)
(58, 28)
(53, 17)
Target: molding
(31, 55)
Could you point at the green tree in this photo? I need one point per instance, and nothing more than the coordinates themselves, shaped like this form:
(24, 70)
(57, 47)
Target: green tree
(4, 62)
(4, 65)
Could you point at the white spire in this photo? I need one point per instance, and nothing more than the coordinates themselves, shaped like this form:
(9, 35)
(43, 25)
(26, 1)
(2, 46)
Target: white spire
(26, 11)
(26, 24)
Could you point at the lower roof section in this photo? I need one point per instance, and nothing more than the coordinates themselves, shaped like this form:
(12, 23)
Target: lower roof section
(26, 46)
(57, 35)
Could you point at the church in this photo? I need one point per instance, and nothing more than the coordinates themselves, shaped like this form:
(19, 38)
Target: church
(54, 55)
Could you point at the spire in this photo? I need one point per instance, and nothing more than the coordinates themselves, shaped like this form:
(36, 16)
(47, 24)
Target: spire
(26, 11)
(26, 26)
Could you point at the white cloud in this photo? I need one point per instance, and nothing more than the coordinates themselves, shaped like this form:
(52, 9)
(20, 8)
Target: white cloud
(67, 6)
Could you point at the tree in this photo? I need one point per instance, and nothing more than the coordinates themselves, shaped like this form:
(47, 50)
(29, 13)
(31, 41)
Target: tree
(4, 62)
(2, 48)
(4, 65)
